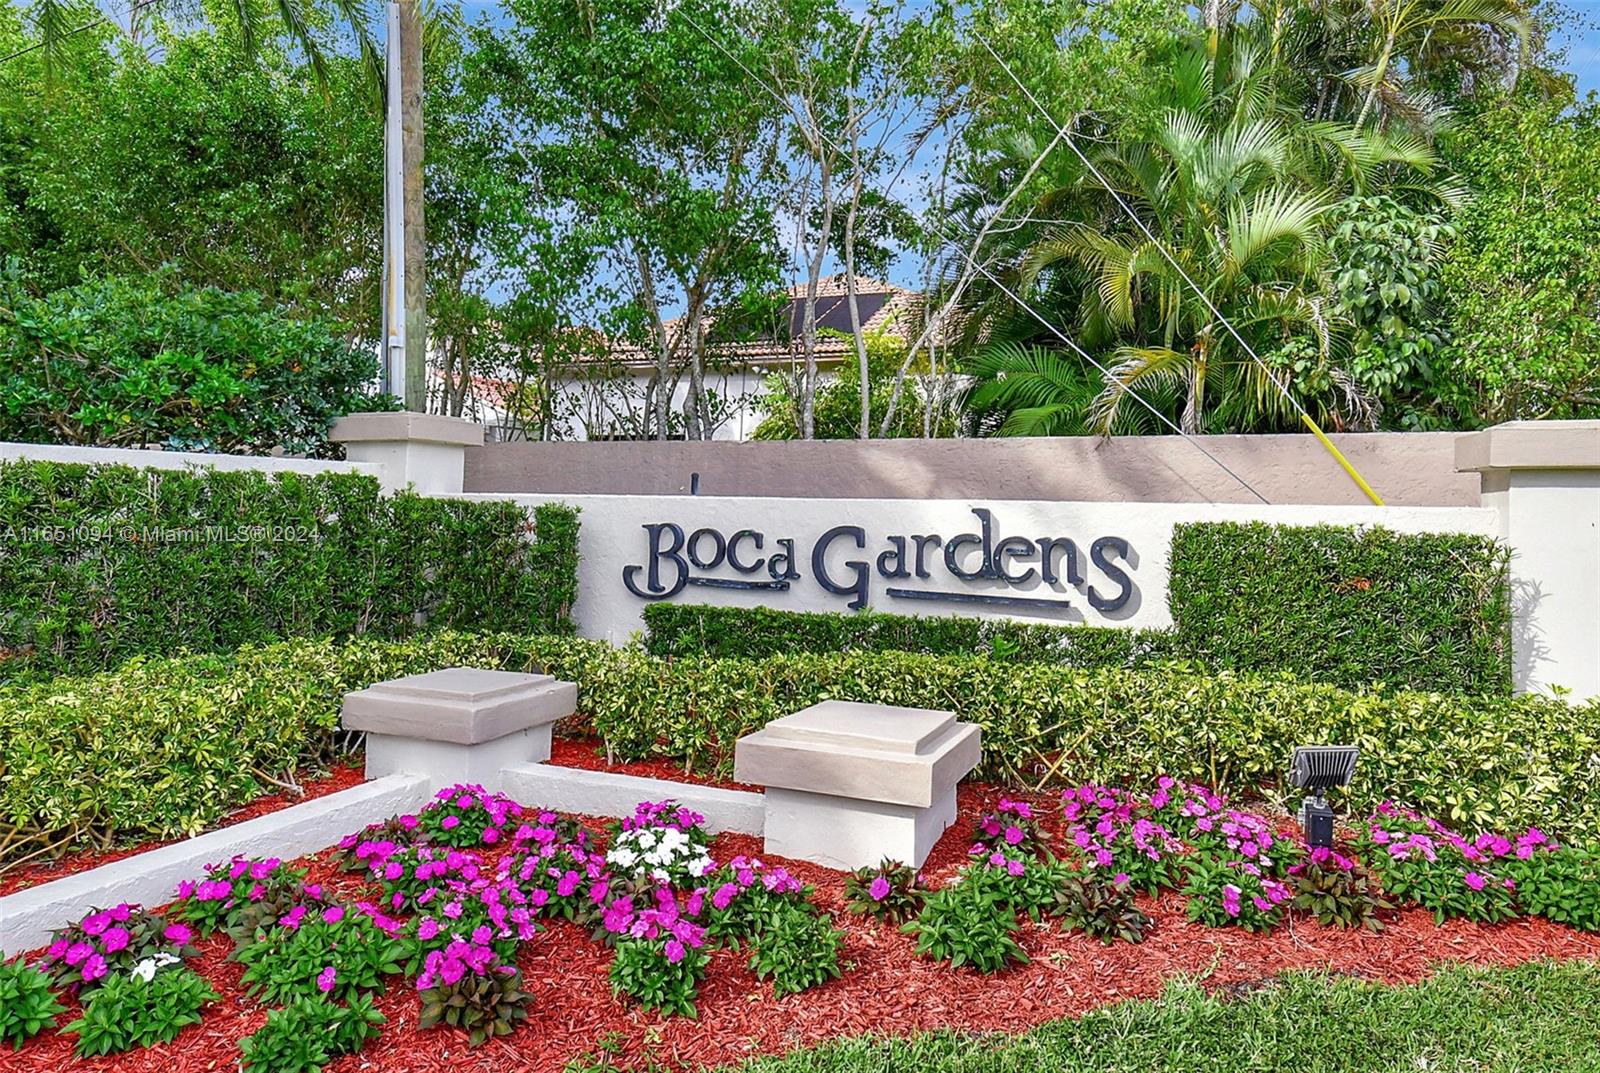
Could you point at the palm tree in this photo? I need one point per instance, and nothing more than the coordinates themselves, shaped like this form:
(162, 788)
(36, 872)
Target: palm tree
(1417, 30)
(1229, 189)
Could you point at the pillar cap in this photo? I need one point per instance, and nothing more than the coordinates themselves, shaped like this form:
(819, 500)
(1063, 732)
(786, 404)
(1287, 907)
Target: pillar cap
(406, 427)
(1531, 445)
(462, 705)
(864, 752)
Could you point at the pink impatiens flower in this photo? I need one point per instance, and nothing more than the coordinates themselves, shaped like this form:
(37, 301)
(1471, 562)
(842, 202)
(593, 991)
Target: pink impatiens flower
(177, 933)
(1473, 880)
(879, 889)
(326, 979)
(115, 940)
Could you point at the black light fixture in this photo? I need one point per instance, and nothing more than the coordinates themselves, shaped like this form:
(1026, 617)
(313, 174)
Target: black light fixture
(1319, 768)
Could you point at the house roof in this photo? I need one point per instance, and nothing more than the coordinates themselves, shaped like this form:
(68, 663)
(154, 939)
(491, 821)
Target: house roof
(881, 306)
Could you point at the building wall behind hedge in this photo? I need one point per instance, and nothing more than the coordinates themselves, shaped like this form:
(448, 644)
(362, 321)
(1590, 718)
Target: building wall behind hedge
(1346, 606)
(101, 563)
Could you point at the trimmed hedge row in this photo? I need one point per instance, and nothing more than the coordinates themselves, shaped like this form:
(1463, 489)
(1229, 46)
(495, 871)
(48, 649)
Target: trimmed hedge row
(1350, 607)
(101, 563)
(165, 747)
(758, 632)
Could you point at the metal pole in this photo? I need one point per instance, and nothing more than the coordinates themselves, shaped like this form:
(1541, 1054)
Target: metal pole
(394, 220)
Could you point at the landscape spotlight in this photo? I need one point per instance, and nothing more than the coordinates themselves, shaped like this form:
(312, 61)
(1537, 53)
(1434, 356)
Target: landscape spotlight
(1318, 768)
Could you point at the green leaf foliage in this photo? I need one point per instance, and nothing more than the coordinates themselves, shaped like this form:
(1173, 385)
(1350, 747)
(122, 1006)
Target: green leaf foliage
(309, 1033)
(1334, 604)
(27, 1005)
(969, 922)
(797, 947)
(484, 1005)
(1100, 908)
(106, 562)
(642, 971)
(166, 747)
(132, 362)
(284, 964)
(127, 1011)
(1345, 605)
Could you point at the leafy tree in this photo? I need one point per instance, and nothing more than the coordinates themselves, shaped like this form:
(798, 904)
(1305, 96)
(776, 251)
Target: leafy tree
(147, 362)
(837, 412)
(1523, 280)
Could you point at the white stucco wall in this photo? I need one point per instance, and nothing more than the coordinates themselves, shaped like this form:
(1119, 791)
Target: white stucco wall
(149, 459)
(613, 539)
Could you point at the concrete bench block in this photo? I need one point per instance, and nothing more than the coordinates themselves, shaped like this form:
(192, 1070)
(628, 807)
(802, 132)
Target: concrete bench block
(849, 784)
(460, 724)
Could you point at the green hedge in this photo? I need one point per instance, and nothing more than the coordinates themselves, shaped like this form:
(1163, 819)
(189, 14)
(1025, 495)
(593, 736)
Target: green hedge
(167, 746)
(1350, 607)
(1345, 605)
(757, 632)
(101, 563)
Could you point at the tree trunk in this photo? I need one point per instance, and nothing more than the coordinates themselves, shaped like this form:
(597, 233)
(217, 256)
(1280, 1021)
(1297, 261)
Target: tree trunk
(416, 385)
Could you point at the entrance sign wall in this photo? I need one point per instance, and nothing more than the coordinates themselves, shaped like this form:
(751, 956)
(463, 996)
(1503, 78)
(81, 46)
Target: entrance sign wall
(1100, 564)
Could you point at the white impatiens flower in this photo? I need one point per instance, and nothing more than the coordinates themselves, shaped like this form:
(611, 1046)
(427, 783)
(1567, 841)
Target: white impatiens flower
(146, 969)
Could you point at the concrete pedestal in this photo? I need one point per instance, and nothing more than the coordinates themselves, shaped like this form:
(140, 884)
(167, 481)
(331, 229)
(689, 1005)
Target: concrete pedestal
(460, 724)
(849, 784)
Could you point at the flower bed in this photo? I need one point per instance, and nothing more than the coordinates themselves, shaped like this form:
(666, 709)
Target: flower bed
(535, 935)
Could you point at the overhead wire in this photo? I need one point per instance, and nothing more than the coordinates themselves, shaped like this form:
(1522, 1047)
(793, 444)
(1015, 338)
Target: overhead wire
(1138, 222)
(1049, 326)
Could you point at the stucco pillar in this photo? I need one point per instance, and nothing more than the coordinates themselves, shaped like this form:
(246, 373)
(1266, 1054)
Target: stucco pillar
(426, 452)
(1543, 480)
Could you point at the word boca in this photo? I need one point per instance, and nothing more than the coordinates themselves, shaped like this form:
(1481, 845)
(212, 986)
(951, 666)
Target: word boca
(673, 558)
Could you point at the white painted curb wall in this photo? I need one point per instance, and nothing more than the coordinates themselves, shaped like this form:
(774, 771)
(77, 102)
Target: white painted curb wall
(150, 879)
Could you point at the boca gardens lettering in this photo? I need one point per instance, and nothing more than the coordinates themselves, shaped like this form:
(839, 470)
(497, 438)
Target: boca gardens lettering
(675, 559)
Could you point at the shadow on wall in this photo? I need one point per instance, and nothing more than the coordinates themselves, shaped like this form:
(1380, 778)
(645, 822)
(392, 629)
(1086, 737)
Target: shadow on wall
(1528, 647)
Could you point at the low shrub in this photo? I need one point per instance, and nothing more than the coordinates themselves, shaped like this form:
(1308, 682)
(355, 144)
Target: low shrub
(467, 816)
(891, 892)
(674, 629)
(797, 948)
(1224, 890)
(468, 987)
(969, 921)
(130, 1010)
(659, 973)
(92, 758)
(1337, 891)
(661, 842)
(243, 895)
(27, 1004)
(1562, 885)
(1420, 860)
(103, 563)
(738, 900)
(1116, 837)
(338, 953)
(111, 942)
(308, 1034)
(1101, 908)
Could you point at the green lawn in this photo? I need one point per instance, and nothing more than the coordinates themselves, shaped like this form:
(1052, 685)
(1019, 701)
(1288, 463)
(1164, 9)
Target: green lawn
(1534, 1017)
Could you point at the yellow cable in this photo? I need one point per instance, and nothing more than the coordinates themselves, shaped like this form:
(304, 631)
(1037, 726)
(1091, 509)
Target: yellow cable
(1334, 451)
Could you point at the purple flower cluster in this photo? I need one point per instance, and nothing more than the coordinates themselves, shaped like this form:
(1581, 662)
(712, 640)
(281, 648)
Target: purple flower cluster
(658, 917)
(662, 814)
(457, 960)
(108, 940)
(1114, 831)
(1007, 837)
(1421, 859)
(468, 815)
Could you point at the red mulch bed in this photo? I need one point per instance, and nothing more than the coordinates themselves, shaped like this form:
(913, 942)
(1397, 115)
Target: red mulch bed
(29, 875)
(885, 987)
